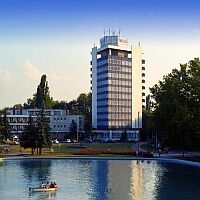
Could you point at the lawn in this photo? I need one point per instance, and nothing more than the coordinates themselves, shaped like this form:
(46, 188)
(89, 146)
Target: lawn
(71, 148)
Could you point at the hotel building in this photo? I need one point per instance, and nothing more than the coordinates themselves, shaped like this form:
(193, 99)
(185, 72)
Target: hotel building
(118, 95)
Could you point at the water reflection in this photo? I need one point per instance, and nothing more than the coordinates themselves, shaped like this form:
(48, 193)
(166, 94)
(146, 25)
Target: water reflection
(43, 195)
(99, 179)
(36, 169)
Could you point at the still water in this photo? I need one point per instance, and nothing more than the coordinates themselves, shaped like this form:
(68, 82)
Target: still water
(99, 180)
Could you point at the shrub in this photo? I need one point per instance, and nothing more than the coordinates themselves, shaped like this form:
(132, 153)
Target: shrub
(115, 152)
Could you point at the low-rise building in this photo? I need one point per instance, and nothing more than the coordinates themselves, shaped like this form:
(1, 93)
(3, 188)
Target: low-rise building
(59, 121)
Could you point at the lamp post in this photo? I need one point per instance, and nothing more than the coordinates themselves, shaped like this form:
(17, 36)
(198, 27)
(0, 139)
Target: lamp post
(138, 132)
(77, 127)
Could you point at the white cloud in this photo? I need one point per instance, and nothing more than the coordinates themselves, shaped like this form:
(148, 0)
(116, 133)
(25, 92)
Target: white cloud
(6, 76)
(54, 77)
(31, 72)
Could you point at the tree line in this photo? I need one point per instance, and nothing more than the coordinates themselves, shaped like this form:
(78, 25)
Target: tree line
(173, 108)
(37, 133)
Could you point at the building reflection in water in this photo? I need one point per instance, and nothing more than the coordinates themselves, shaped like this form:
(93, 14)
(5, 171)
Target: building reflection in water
(144, 179)
(99, 180)
(133, 179)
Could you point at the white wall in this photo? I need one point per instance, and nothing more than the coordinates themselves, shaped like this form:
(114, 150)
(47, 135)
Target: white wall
(94, 87)
(136, 86)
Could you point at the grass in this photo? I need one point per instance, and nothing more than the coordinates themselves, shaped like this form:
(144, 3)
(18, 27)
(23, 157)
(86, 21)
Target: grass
(71, 148)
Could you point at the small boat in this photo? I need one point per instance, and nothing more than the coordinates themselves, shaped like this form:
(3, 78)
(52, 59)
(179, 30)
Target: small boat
(43, 189)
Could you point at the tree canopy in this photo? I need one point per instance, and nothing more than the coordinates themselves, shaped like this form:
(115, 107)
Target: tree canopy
(176, 106)
(42, 97)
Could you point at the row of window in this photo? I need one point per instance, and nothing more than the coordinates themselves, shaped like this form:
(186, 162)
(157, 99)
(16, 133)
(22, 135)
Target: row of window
(115, 117)
(59, 126)
(114, 89)
(115, 75)
(114, 124)
(114, 82)
(114, 61)
(114, 102)
(59, 118)
(114, 69)
(114, 109)
(114, 95)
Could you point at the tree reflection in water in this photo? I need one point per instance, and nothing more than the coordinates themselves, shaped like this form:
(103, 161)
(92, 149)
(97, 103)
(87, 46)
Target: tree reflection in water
(36, 170)
(44, 195)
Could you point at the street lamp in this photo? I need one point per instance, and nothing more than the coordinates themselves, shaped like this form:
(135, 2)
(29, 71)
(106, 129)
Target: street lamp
(77, 128)
(138, 132)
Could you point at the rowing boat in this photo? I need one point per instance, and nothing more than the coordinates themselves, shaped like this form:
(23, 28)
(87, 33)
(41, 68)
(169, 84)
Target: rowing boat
(42, 189)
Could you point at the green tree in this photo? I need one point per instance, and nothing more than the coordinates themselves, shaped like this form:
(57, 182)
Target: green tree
(73, 130)
(176, 106)
(28, 139)
(5, 130)
(43, 134)
(42, 97)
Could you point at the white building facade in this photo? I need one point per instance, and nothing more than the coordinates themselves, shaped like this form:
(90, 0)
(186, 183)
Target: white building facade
(117, 88)
(59, 121)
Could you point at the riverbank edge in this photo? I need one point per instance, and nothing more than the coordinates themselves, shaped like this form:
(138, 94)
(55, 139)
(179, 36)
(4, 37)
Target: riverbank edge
(171, 160)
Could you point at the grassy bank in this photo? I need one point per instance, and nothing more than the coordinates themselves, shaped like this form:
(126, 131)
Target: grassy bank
(75, 149)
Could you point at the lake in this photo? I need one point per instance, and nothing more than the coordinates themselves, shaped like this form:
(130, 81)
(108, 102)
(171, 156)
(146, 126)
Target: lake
(99, 179)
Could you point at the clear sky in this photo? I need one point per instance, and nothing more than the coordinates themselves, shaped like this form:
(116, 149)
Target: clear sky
(55, 37)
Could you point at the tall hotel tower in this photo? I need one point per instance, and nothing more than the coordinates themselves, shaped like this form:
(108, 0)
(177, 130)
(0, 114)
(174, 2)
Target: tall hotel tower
(117, 88)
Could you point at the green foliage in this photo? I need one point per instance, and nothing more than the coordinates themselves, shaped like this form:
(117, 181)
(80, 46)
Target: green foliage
(123, 136)
(28, 139)
(176, 106)
(37, 134)
(42, 97)
(73, 130)
(43, 134)
(5, 131)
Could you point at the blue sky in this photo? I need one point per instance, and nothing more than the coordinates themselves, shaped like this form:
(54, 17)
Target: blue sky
(55, 37)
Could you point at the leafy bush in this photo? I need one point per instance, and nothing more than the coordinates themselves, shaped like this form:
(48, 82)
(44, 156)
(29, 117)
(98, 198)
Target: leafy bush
(1, 153)
(115, 152)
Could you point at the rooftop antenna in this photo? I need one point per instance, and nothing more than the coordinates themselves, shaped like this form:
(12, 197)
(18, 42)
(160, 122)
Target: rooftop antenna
(119, 32)
(113, 32)
(104, 36)
(109, 31)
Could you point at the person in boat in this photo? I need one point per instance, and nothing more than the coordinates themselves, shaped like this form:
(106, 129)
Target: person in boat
(55, 185)
(52, 185)
(42, 185)
(48, 185)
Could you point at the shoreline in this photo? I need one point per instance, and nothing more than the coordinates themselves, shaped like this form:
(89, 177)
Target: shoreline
(160, 159)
